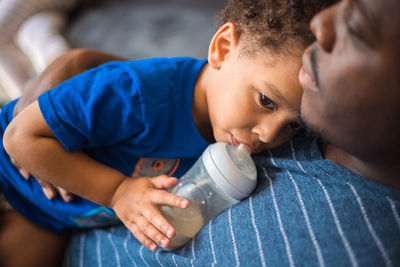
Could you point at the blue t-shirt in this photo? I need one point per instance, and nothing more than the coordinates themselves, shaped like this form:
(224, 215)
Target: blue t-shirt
(133, 116)
(305, 211)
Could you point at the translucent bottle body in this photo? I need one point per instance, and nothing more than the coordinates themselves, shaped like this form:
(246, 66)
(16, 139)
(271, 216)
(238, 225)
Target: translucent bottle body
(206, 200)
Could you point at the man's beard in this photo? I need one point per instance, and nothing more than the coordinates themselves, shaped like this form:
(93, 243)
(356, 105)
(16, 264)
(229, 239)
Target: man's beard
(309, 130)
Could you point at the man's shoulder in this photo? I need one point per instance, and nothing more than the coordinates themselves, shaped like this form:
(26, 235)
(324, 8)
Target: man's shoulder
(304, 210)
(301, 148)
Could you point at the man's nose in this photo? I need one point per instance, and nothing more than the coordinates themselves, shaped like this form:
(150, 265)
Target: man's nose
(323, 27)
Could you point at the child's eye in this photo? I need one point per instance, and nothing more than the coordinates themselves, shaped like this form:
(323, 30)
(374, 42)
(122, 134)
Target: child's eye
(295, 126)
(266, 102)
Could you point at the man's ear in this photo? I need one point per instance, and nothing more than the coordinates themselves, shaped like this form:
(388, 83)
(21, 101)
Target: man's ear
(222, 45)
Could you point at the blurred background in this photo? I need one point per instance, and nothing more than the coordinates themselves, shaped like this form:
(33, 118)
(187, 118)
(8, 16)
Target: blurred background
(130, 28)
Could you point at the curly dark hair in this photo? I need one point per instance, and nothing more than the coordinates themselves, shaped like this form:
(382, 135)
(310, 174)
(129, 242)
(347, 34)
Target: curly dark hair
(275, 24)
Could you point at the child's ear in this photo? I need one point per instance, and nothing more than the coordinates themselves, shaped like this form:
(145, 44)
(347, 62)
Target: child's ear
(222, 45)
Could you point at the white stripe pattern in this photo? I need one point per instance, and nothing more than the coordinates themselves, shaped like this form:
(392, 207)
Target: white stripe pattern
(278, 215)
(141, 256)
(109, 235)
(211, 242)
(235, 250)
(173, 259)
(158, 258)
(81, 248)
(305, 214)
(346, 244)
(14, 13)
(193, 254)
(395, 214)
(253, 220)
(308, 223)
(99, 260)
(128, 236)
(378, 242)
(295, 158)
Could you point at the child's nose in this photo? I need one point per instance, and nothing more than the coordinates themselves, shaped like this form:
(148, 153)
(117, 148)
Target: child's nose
(266, 133)
(323, 27)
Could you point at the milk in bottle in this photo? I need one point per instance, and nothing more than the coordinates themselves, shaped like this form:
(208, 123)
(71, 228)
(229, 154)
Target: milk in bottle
(220, 178)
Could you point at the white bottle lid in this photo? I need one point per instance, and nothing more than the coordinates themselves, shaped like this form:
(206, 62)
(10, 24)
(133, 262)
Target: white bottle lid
(231, 168)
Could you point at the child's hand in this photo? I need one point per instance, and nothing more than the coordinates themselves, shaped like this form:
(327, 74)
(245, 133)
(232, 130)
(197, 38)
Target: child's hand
(135, 202)
(49, 190)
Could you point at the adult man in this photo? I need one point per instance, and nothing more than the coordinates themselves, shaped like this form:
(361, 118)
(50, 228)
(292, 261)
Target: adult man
(307, 209)
(352, 93)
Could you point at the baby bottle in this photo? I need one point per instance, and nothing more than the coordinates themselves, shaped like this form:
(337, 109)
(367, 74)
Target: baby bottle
(220, 178)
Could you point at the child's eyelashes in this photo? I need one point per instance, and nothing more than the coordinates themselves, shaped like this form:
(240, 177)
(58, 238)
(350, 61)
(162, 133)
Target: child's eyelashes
(269, 104)
(295, 126)
(266, 102)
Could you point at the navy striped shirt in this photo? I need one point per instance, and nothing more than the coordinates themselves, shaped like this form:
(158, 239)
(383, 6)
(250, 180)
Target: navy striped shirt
(305, 211)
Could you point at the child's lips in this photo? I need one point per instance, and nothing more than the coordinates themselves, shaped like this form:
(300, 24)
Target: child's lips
(236, 142)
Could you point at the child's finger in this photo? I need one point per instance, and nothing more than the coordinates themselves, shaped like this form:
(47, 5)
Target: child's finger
(140, 236)
(163, 181)
(155, 217)
(24, 173)
(49, 190)
(166, 198)
(153, 232)
(65, 195)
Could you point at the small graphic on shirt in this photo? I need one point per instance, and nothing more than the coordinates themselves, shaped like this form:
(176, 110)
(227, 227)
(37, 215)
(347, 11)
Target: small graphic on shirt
(153, 167)
(97, 217)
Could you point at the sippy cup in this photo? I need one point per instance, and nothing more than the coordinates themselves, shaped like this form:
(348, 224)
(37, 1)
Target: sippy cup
(219, 179)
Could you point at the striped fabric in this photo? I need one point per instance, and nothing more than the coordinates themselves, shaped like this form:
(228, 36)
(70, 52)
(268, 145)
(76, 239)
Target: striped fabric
(305, 211)
(14, 12)
(15, 66)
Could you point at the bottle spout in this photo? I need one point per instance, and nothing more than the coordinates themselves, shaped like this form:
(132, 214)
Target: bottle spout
(243, 149)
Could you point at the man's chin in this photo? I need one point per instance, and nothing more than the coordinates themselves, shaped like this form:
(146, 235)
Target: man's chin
(309, 130)
(312, 132)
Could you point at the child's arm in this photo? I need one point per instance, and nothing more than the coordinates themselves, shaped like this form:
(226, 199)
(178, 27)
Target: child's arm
(30, 141)
(63, 68)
